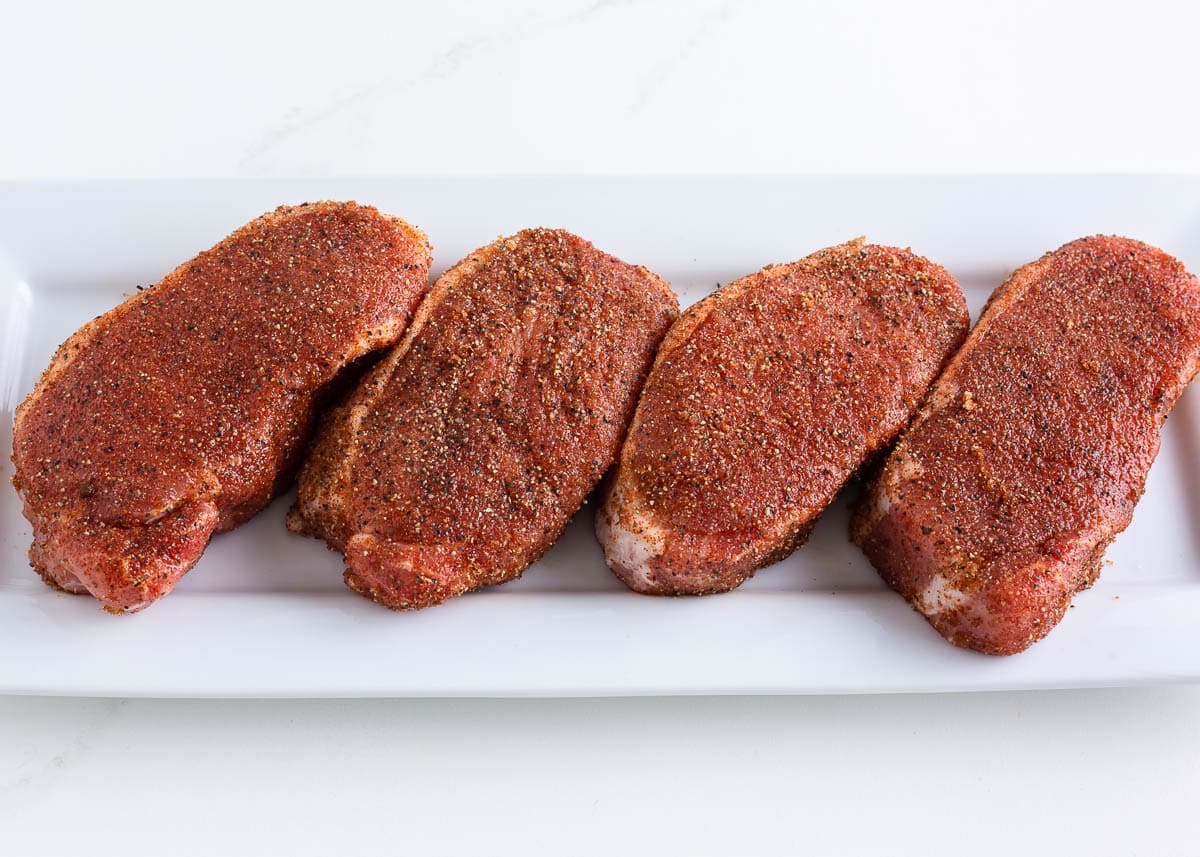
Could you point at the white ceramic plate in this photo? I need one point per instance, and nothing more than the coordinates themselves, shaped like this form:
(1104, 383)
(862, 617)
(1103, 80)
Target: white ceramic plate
(264, 613)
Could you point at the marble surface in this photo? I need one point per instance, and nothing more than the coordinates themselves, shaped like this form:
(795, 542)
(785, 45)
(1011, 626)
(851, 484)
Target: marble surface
(585, 86)
(148, 90)
(1097, 772)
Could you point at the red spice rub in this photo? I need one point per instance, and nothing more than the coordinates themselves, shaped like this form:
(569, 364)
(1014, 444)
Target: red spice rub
(460, 458)
(1029, 455)
(765, 399)
(182, 411)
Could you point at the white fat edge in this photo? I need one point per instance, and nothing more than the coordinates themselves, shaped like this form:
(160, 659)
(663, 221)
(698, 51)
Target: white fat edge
(939, 596)
(943, 394)
(899, 471)
(630, 540)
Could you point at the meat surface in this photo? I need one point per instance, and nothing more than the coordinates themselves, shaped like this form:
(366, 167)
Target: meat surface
(766, 397)
(1032, 449)
(460, 458)
(182, 412)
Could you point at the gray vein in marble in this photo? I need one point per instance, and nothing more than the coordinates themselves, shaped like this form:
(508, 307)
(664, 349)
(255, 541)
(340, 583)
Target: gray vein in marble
(652, 81)
(296, 121)
(79, 745)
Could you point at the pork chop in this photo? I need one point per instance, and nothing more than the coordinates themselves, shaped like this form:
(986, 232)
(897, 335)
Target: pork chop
(460, 458)
(182, 412)
(766, 397)
(1032, 449)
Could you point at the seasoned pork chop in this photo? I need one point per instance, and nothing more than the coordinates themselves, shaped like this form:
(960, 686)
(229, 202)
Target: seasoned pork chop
(460, 457)
(182, 412)
(766, 397)
(1033, 447)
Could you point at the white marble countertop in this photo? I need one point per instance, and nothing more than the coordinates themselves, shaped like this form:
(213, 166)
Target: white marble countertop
(134, 90)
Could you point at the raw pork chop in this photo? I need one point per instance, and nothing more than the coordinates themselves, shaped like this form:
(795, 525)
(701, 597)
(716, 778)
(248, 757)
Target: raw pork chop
(183, 411)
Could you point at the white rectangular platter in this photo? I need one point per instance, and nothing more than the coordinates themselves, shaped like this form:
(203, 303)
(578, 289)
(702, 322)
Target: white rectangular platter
(264, 613)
